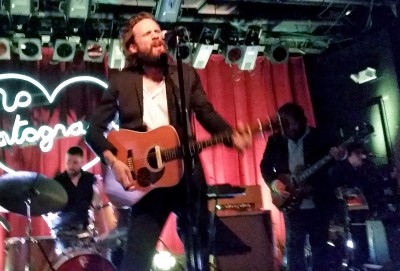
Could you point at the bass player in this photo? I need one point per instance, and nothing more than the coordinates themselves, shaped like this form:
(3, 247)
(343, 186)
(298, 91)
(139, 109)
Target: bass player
(287, 153)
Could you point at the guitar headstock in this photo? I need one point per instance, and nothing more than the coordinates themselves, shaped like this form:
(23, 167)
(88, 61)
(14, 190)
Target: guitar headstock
(270, 125)
(363, 130)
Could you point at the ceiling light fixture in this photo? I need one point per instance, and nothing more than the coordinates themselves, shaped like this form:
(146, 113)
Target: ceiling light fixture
(5, 53)
(64, 51)
(95, 51)
(364, 76)
(30, 49)
(276, 53)
(168, 11)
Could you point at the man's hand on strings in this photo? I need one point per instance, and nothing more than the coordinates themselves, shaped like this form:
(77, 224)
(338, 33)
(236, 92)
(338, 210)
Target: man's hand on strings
(241, 137)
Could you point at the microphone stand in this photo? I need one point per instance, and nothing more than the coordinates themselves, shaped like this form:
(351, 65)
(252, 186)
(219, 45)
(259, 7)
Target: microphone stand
(193, 258)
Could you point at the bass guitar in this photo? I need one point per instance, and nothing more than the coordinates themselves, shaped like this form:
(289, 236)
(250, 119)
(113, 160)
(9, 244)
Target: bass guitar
(155, 157)
(296, 184)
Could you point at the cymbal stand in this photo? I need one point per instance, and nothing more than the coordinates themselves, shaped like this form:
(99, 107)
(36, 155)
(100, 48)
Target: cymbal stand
(31, 240)
(28, 232)
(348, 261)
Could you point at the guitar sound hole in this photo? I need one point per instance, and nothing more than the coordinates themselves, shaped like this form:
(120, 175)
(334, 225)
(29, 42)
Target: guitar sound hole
(152, 159)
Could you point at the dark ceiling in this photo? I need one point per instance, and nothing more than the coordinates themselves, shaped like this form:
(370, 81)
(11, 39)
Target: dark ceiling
(309, 25)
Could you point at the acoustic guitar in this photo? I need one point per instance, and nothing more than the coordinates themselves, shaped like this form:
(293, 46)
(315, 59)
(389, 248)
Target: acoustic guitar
(155, 158)
(296, 183)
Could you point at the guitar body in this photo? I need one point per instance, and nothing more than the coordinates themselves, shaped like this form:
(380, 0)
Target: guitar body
(296, 185)
(288, 204)
(137, 150)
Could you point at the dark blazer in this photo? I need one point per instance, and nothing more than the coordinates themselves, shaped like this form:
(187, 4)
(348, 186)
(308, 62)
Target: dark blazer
(275, 161)
(124, 98)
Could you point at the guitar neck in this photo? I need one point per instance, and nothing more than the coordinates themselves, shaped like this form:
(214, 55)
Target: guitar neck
(311, 170)
(197, 147)
(324, 160)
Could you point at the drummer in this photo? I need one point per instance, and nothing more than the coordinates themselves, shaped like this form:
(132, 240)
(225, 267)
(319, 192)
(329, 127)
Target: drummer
(358, 181)
(74, 224)
(356, 171)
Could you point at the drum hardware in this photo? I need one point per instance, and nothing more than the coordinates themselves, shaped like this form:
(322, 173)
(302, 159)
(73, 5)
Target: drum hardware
(372, 238)
(31, 194)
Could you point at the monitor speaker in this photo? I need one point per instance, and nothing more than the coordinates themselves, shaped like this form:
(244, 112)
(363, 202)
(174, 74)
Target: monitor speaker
(244, 241)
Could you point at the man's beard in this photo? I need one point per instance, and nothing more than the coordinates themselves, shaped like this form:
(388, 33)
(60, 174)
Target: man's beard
(147, 59)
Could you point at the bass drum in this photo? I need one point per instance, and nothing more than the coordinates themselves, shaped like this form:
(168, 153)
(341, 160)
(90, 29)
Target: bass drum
(377, 242)
(84, 260)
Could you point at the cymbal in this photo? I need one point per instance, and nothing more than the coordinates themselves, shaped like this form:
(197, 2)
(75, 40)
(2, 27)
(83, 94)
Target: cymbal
(46, 195)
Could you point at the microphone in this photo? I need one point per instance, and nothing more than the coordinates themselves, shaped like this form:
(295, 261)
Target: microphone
(179, 31)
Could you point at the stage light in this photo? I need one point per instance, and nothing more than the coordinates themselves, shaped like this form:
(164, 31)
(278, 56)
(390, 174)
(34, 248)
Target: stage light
(94, 51)
(364, 76)
(163, 260)
(248, 61)
(168, 10)
(244, 56)
(21, 7)
(77, 9)
(233, 54)
(276, 53)
(185, 51)
(204, 48)
(30, 49)
(64, 51)
(5, 49)
(116, 59)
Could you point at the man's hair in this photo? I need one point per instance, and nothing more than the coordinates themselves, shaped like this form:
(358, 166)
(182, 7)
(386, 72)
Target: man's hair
(356, 147)
(293, 110)
(127, 38)
(75, 150)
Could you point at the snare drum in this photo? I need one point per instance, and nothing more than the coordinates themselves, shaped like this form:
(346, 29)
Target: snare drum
(82, 260)
(17, 253)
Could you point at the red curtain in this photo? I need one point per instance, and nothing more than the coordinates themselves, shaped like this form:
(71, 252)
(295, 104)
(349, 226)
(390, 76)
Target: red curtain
(237, 95)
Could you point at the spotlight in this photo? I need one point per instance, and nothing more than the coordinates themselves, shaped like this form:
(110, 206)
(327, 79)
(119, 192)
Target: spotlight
(244, 56)
(233, 54)
(77, 9)
(248, 61)
(202, 55)
(94, 51)
(163, 260)
(64, 51)
(21, 7)
(168, 10)
(186, 52)
(30, 49)
(204, 48)
(276, 53)
(364, 76)
(116, 59)
(5, 49)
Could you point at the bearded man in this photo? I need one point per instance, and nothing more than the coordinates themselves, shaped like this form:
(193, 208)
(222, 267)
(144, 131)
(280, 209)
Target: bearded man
(145, 96)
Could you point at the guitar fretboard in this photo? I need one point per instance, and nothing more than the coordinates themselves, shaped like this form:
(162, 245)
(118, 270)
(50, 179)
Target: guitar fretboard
(195, 148)
(301, 177)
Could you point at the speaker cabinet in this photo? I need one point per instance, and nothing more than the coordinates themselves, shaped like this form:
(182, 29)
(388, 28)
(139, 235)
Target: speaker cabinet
(244, 242)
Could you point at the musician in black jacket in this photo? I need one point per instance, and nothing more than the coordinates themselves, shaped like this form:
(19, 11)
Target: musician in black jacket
(299, 147)
(145, 96)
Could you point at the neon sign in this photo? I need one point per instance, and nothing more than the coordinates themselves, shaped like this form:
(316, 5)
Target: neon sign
(44, 135)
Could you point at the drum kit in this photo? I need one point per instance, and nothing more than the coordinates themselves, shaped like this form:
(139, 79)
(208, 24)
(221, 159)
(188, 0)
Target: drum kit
(32, 194)
(357, 239)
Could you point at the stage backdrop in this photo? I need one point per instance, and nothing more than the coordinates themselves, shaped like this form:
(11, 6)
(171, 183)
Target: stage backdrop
(237, 95)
